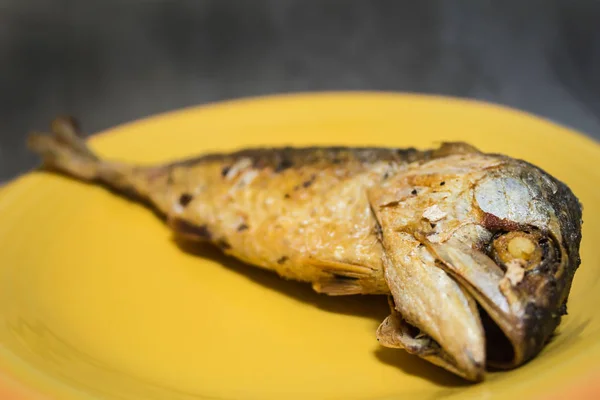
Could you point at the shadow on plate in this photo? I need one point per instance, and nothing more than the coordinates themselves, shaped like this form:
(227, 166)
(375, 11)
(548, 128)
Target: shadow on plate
(367, 306)
(370, 306)
(414, 366)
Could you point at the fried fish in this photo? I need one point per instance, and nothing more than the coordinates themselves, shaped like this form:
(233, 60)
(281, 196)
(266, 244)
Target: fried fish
(476, 252)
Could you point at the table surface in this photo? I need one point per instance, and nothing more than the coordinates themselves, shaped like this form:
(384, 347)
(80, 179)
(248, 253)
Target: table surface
(109, 62)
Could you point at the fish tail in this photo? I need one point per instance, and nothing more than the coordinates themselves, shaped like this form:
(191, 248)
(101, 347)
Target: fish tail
(64, 150)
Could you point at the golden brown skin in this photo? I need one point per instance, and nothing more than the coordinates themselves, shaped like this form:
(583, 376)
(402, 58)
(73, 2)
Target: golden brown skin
(476, 251)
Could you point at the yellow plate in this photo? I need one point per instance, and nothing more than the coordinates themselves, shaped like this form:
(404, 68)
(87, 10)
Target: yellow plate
(97, 302)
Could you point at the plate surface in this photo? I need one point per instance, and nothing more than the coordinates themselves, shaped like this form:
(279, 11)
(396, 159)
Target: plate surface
(98, 302)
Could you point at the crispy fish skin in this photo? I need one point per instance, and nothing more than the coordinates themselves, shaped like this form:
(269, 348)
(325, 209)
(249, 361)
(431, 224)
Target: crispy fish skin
(303, 214)
(476, 251)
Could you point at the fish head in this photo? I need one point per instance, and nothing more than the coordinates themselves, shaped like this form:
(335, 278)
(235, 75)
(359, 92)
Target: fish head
(513, 244)
(534, 223)
(507, 232)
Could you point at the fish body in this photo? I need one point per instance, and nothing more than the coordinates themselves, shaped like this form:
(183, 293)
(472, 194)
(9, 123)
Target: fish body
(475, 251)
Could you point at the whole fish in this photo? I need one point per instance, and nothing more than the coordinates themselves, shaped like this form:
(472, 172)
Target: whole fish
(476, 252)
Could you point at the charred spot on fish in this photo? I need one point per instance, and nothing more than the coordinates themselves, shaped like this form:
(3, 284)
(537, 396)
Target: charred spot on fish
(414, 192)
(242, 227)
(282, 260)
(185, 199)
(225, 171)
(386, 175)
(442, 183)
(286, 196)
(223, 244)
(283, 164)
(309, 182)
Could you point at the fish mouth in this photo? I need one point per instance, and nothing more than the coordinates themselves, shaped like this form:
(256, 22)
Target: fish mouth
(396, 332)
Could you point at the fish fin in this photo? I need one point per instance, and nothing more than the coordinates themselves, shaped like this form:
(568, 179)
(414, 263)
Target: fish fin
(188, 230)
(396, 333)
(336, 286)
(452, 148)
(342, 278)
(64, 150)
(341, 269)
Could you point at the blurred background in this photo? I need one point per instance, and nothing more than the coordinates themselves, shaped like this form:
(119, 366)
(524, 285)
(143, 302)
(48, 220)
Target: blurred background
(113, 61)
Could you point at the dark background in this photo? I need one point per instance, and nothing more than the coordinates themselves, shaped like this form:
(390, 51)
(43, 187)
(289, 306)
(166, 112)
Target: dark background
(113, 61)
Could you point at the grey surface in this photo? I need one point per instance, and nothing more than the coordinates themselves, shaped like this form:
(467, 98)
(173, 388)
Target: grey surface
(111, 61)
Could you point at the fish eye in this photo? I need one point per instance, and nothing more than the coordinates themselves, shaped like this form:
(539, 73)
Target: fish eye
(531, 249)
